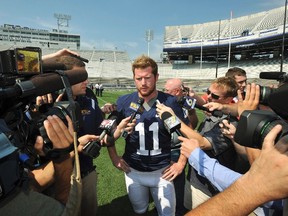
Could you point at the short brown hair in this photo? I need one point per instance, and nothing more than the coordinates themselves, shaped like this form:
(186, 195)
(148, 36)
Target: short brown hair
(227, 83)
(144, 62)
(235, 71)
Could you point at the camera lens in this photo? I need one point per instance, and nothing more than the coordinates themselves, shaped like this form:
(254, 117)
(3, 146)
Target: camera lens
(265, 129)
(256, 124)
(265, 94)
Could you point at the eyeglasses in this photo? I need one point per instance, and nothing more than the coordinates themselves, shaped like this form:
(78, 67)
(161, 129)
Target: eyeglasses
(214, 96)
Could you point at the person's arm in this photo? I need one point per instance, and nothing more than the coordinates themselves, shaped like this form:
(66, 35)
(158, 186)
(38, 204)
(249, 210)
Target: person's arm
(193, 118)
(175, 169)
(59, 53)
(42, 177)
(118, 161)
(185, 129)
(61, 138)
(265, 181)
(199, 100)
(126, 125)
(220, 176)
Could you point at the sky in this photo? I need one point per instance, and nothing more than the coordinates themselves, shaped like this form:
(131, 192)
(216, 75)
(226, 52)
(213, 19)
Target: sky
(122, 24)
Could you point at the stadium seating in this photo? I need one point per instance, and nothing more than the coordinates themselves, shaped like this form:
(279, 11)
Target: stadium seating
(253, 24)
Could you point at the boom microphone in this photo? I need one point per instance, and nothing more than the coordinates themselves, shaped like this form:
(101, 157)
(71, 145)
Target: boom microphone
(43, 84)
(272, 75)
(48, 66)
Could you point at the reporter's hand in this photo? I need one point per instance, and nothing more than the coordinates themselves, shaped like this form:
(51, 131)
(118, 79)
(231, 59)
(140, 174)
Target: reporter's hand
(188, 146)
(44, 99)
(126, 125)
(83, 140)
(161, 108)
(227, 129)
(108, 108)
(251, 100)
(214, 106)
(269, 172)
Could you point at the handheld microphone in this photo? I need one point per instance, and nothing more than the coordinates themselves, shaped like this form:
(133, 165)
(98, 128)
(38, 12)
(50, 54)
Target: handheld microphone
(92, 148)
(43, 84)
(137, 109)
(190, 103)
(186, 102)
(171, 123)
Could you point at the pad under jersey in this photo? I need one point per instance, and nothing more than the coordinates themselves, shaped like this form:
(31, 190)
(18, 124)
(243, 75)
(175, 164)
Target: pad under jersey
(148, 148)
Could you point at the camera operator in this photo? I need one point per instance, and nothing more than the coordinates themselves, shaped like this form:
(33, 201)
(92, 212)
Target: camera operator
(24, 201)
(92, 116)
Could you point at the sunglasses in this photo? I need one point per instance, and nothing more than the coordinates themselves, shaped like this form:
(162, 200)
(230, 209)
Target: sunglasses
(214, 96)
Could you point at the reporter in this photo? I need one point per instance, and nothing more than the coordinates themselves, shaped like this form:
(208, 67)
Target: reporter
(265, 181)
(250, 102)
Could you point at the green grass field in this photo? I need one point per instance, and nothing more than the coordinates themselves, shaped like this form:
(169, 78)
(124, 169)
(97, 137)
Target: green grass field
(112, 195)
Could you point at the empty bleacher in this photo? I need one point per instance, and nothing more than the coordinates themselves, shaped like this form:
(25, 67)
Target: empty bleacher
(252, 24)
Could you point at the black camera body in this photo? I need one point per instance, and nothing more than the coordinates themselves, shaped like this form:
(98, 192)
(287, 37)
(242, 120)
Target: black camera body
(61, 109)
(253, 126)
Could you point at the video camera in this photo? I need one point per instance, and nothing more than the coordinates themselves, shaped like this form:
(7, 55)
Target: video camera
(257, 124)
(21, 81)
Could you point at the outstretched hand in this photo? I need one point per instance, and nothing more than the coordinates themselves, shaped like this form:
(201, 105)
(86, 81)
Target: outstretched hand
(161, 108)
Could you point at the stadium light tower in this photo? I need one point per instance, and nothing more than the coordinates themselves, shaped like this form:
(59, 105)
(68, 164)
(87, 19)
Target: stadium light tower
(149, 38)
(62, 20)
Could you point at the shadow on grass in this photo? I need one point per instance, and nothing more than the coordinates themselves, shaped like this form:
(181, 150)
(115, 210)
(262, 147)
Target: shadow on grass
(121, 206)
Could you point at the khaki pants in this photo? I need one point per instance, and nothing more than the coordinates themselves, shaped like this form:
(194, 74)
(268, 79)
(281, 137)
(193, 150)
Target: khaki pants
(193, 196)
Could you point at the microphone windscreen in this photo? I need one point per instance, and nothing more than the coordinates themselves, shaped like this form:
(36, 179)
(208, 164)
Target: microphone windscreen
(271, 75)
(52, 65)
(165, 115)
(140, 101)
(51, 82)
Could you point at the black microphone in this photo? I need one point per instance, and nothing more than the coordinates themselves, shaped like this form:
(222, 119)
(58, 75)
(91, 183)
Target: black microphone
(190, 103)
(216, 113)
(92, 148)
(272, 75)
(137, 109)
(186, 102)
(43, 84)
(171, 123)
(50, 66)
